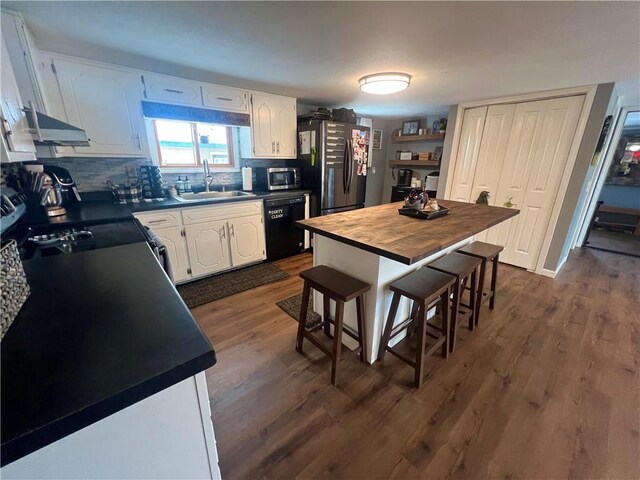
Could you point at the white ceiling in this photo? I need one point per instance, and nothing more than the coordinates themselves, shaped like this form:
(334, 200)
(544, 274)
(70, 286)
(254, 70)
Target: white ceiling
(316, 51)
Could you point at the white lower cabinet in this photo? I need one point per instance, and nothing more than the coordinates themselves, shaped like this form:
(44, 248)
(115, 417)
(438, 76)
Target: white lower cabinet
(208, 247)
(204, 240)
(247, 240)
(174, 240)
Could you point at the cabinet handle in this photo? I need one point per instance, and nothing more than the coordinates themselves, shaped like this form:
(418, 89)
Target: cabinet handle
(144, 86)
(139, 144)
(225, 99)
(171, 90)
(232, 231)
(163, 220)
(273, 147)
(278, 143)
(6, 131)
(223, 233)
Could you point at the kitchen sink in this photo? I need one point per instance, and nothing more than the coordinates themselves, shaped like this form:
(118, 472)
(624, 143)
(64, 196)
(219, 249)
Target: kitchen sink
(193, 197)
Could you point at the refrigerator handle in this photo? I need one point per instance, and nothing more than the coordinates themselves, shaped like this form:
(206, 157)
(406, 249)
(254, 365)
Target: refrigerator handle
(350, 160)
(344, 167)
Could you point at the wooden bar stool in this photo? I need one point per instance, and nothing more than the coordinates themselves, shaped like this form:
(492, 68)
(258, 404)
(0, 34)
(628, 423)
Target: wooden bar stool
(486, 252)
(424, 287)
(341, 288)
(464, 268)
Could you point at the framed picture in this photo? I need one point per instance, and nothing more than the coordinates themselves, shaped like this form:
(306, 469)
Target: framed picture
(410, 127)
(377, 139)
(437, 154)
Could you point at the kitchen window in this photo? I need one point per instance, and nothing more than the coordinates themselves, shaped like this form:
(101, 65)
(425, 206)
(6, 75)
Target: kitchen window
(188, 144)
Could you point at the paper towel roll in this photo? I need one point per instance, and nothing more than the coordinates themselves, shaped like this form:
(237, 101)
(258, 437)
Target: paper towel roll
(247, 180)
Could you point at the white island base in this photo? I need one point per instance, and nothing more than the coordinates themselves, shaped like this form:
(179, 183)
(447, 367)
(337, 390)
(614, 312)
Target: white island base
(379, 272)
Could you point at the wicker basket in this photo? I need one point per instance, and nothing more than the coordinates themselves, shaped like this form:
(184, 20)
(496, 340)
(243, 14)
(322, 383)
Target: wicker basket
(13, 285)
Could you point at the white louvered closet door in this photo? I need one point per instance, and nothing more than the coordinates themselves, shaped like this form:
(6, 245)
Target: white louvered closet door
(495, 139)
(535, 159)
(467, 155)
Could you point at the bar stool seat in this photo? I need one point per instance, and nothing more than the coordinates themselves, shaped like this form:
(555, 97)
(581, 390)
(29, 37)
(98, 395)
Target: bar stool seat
(464, 268)
(424, 287)
(486, 252)
(340, 287)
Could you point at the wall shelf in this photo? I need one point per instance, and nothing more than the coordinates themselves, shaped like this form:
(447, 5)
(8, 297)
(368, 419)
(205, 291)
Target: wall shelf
(431, 137)
(415, 163)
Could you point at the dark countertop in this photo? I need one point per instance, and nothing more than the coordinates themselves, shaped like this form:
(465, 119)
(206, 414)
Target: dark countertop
(77, 213)
(173, 203)
(101, 330)
(381, 230)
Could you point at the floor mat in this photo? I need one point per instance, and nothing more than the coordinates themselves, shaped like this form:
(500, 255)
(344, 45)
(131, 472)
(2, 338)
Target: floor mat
(291, 306)
(212, 288)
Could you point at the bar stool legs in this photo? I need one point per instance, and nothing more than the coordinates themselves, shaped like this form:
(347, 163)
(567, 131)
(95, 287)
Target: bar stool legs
(494, 279)
(337, 286)
(428, 289)
(304, 306)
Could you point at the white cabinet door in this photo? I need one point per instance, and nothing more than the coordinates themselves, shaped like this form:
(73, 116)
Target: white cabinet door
(208, 247)
(467, 155)
(247, 240)
(264, 125)
(286, 143)
(167, 89)
(17, 141)
(103, 101)
(174, 240)
(273, 126)
(225, 98)
(537, 160)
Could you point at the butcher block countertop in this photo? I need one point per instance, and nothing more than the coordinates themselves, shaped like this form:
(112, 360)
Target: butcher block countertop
(383, 231)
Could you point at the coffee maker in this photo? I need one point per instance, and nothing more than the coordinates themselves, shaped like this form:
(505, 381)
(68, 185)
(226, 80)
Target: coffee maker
(58, 190)
(404, 177)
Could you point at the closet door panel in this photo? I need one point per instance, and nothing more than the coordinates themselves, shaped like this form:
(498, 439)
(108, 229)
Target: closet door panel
(550, 155)
(467, 155)
(495, 139)
(519, 155)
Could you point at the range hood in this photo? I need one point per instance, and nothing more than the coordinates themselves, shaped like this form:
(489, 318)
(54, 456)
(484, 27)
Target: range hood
(47, 130)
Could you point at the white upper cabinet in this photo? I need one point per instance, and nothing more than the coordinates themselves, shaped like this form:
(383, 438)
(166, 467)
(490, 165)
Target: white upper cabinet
(166, 89)
(225, 98)
(104, 101)
(273, 127)
(17, 143)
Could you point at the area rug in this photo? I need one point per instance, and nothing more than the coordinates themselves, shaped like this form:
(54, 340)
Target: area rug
(212, 288)
(291, 306)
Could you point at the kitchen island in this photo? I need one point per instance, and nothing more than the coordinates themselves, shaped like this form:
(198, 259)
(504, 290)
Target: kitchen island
(379, 246)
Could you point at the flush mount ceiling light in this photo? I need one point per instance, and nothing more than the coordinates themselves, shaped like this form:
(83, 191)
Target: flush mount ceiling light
(384, 83)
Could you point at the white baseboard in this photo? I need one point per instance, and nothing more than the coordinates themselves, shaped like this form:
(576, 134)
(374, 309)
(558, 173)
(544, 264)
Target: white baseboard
(552, 273)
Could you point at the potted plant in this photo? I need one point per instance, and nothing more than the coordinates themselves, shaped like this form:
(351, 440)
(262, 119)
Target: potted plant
(442, 125)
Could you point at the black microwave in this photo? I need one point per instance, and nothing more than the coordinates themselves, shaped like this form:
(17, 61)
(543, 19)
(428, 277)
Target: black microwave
(271, 178)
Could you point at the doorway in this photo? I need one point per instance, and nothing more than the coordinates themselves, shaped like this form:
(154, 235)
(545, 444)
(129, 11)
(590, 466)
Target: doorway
(614, 225)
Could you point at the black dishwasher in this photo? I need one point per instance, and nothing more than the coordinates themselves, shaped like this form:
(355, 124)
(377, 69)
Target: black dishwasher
(284, 238)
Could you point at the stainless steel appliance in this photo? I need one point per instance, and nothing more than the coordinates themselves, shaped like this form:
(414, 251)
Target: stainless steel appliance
(280, 178)
(336, 159)
(284, 238)
(58, 189)
(404, 177)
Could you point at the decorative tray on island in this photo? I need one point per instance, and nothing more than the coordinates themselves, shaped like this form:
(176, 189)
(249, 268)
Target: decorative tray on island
(425, 215)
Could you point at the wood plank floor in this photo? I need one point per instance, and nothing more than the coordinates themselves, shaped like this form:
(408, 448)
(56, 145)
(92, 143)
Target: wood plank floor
(546, 388)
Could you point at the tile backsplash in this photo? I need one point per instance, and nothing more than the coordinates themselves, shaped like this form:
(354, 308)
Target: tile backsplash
(92, 174)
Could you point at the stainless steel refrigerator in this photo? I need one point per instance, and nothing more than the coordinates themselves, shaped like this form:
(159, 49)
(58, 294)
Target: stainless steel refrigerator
(335, 159)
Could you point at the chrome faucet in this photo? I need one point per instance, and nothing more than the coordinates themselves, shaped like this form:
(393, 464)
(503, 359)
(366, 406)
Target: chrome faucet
(208, 178)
